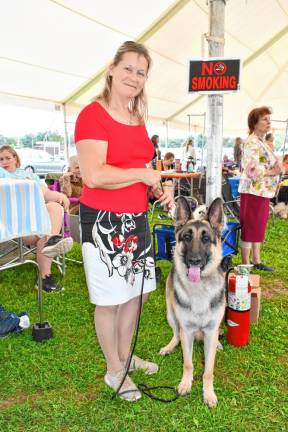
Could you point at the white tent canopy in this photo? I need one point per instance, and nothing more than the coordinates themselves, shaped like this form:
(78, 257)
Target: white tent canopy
(55, 51)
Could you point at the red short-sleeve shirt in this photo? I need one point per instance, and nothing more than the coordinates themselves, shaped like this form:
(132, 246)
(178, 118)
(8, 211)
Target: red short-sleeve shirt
(128, 147)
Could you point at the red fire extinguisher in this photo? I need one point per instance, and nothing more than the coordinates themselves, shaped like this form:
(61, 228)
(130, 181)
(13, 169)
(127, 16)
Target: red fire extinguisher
(239, 304)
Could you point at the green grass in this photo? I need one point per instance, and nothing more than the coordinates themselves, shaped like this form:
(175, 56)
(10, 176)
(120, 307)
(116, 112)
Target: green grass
(58, 385)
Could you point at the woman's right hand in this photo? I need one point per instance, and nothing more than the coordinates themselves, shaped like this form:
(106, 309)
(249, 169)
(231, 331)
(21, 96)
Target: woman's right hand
(150, 177)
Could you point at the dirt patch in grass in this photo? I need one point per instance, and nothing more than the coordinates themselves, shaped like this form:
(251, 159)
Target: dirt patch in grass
(283, 359)
(91, 393)
(271, 289)
(19, 399)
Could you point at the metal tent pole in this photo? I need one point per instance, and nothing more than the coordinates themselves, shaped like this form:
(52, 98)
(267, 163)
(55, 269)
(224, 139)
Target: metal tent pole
(215, 105)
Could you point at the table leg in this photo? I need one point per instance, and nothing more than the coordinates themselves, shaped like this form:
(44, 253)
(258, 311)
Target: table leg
(191, 186)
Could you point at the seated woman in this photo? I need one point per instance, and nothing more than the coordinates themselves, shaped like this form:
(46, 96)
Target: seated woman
(228, 167)
(71, 183)
(168, 161)
(285, 165)
(47, 248)
(283, 189)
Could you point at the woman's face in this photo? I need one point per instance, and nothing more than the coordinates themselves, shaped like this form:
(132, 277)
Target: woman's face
(263, 124)
(8, 161)
(167, 163)
(76, 170)
(129, 76)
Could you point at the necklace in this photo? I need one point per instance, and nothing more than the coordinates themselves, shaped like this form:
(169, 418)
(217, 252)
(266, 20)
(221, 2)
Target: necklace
(129, 121)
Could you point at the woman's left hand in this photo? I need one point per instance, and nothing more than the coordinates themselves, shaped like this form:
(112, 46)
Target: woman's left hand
(164, 196)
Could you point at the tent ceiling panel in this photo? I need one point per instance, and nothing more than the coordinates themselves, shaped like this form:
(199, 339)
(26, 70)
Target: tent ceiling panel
(183, 32)
(251, 75)
(46, 46)
(166, 106)
(254, 21)
(47, 36)
(128, 17)
(28, 80)
(54, 48)
(91, 93)
(277, 50)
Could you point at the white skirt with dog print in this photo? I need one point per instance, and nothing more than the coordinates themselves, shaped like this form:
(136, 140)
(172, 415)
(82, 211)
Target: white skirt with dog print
(115, 254)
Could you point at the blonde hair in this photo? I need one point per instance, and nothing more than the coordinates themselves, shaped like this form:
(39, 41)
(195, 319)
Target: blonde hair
(12, 152)
(139, 103)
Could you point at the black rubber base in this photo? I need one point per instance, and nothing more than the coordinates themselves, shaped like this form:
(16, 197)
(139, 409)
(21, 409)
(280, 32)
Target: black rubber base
(42, 331)
(158, 274)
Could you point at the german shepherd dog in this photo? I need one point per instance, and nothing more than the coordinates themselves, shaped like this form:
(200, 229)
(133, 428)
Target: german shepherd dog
(195, 295)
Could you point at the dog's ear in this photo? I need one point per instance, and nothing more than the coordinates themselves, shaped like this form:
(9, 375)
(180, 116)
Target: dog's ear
(183, 212)
(216, 214)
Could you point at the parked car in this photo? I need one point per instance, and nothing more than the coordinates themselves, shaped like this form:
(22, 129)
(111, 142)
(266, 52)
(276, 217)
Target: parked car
(40, 161)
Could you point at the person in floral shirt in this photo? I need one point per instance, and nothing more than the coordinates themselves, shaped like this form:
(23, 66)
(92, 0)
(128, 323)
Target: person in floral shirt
(258, 183)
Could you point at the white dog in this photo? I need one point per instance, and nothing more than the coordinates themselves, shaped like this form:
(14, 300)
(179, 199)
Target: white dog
(281, 210)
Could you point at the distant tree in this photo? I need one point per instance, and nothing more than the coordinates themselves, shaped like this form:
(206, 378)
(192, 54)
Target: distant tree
(49, 136)
(3, 140)
(175, 142)
(200, 141)
(12, 141)
(228, 142)
(8, 140)
(27, 140)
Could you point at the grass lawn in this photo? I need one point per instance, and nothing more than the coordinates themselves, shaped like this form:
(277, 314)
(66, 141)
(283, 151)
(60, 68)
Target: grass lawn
(58, 385)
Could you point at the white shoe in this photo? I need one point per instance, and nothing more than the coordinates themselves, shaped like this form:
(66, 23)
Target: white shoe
(57, 245)
(128, 390)
(138, 363)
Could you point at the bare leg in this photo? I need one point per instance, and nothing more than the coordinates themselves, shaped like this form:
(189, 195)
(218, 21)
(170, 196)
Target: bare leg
(256, 253)
(245, 254)
(56, 217)
(114, 327)
(126, 321)
(106, 324)
(106, 330)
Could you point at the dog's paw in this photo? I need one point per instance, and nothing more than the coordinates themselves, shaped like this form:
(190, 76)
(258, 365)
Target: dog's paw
(184, 387)
(166, 350)
(210, 399)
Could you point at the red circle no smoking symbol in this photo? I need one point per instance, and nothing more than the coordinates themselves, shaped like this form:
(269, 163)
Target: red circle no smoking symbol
(220, 68)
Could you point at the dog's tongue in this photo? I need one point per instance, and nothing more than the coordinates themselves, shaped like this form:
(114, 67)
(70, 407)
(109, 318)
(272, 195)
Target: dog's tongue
(194, 274)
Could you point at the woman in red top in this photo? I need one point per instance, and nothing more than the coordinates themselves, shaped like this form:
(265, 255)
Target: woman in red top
(114, 149)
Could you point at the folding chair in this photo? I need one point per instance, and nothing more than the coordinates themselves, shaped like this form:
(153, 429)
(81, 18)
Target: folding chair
(70, 228)
(231, 205)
